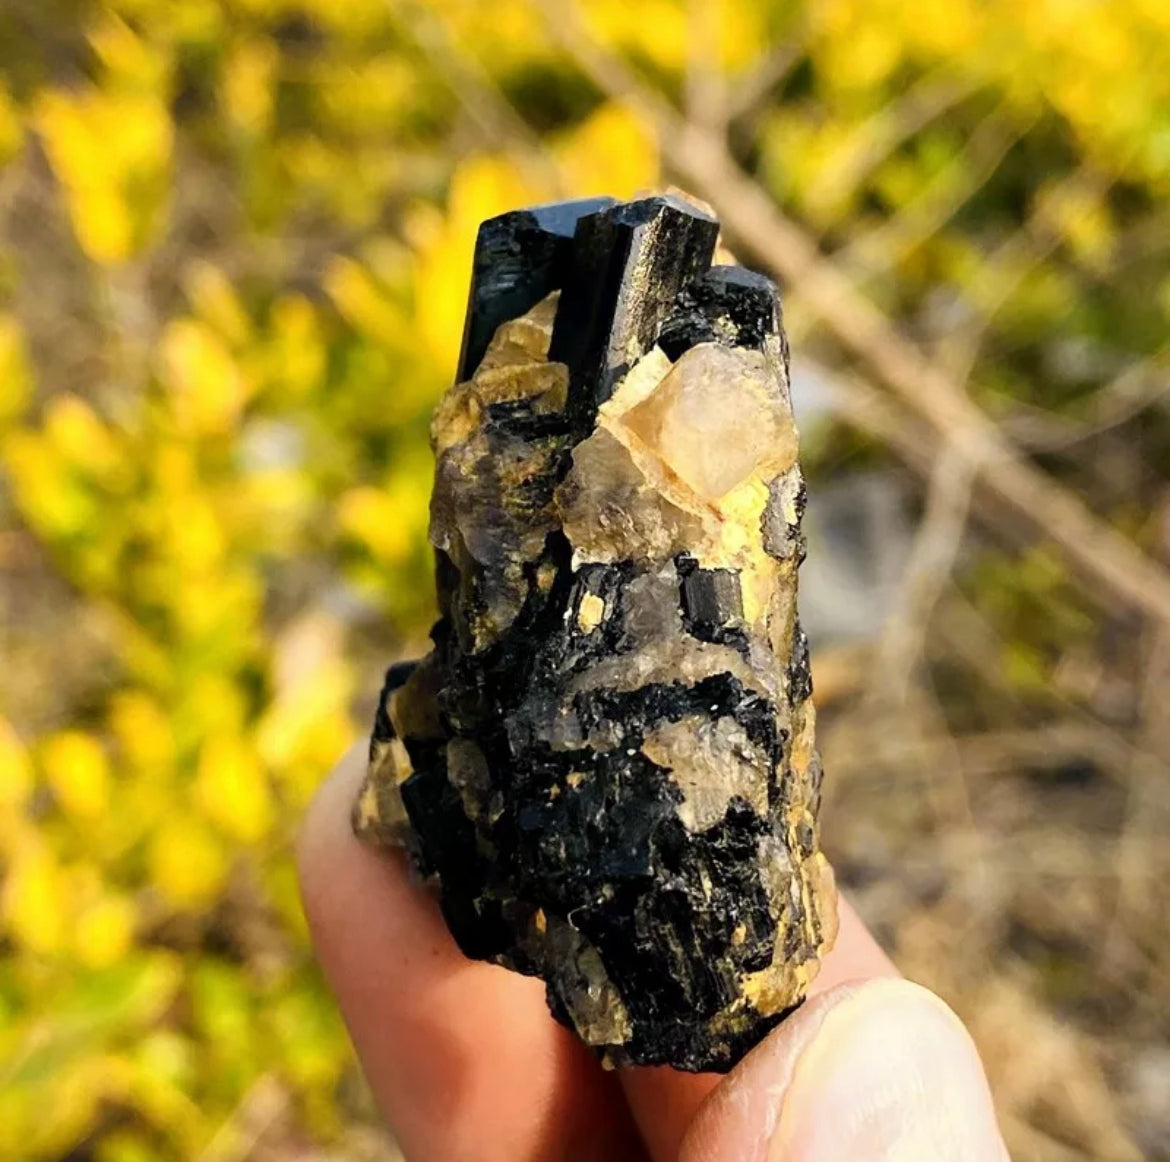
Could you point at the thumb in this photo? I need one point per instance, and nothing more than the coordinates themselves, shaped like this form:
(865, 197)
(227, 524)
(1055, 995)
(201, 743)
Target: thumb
(876, 1072)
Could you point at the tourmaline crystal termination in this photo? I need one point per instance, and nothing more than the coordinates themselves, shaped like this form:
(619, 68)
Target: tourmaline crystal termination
(607, 762)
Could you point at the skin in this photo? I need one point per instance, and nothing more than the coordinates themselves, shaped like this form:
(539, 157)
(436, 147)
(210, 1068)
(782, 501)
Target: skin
(466, 1063)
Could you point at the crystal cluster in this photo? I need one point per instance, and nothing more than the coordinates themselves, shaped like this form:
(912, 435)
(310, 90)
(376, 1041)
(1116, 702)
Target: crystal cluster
(607, 761)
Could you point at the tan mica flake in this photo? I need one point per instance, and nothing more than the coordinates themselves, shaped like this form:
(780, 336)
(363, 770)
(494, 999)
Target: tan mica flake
(776, 988)
(467, 771)
(591, 612)
(523, 340)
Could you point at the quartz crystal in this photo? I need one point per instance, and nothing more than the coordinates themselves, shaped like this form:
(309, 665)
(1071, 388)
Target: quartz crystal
(607, 762)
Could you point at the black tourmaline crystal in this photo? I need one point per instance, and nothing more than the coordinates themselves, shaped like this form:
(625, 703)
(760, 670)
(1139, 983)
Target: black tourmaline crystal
(607, 762)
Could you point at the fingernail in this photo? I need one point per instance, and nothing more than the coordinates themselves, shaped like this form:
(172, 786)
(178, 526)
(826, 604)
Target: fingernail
(890, 1076)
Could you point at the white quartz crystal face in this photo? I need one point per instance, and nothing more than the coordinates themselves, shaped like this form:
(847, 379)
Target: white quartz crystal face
(716, 419)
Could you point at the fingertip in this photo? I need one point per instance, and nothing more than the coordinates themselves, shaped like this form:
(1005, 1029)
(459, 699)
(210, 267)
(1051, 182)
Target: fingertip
(882, 1070)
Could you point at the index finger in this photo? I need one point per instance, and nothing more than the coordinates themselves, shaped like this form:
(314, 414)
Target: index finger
(463, 1057)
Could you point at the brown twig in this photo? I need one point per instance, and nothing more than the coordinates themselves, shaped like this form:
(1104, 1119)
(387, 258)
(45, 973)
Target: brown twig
(881, 249)
(876, 138)
(931, 561)
(763, 80)
(705, 89)
(478, 95)
(1139, 386)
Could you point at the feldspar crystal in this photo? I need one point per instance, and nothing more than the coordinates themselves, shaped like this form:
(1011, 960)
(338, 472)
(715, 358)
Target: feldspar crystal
(607, 762)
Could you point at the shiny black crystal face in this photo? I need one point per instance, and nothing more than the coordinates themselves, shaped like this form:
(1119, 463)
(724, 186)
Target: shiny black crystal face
(559, 787)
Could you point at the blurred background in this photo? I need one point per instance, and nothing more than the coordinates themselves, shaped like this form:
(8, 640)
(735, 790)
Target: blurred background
(234, 246)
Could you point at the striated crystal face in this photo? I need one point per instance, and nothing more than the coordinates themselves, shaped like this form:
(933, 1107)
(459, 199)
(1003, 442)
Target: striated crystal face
(607, 764)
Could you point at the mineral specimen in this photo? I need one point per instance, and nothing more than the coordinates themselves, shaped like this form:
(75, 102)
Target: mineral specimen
(607, 762)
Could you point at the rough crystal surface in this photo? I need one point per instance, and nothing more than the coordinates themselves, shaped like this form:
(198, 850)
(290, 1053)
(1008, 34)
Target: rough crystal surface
(607, 763)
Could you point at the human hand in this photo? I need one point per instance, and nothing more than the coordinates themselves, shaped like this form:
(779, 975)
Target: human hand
(466, 1062)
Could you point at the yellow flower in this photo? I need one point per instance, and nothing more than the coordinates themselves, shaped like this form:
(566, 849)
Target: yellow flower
(248, 82)
(143, 732)
(111, 152)
(482, 186)
(232, 789)
(78, 773)
(208, 389)
(362, 303)
(50, 498)
(371, 515)
(215, 300)
(35, 900)
(15, 768)
(187, 863)
(298, 355)
(15, 373)
(74, 430)
(104, 931)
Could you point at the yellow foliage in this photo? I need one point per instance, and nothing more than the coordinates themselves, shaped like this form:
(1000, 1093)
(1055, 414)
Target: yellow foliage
(481, 187)
(16, 779)
(371, 515)
(111, 152)
(362, 302)
(11, 129)
(143, 731)
(297, 356)
(51, 499)
(611, 152)
(249, 77)
(78, 772)
(207, 386)
(188, 863)
(232, 789)
(655, 29)
(35, 899)
(215, 301)
(15, 375)
(82, 440)
(305, 715)
(130, 63)
(104, 931)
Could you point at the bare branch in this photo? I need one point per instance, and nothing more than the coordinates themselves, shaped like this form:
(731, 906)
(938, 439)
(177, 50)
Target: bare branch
(706, 91)
(478, 94)
(876, 138)
(1138, 387)
(929, 567)
(763, 80)
(882, 248)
